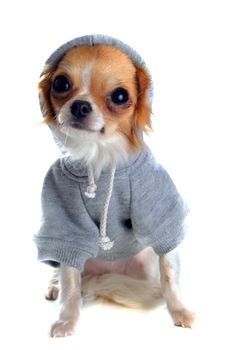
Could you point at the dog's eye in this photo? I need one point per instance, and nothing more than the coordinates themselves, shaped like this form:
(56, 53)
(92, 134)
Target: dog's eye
(119, 96)
(61, 84)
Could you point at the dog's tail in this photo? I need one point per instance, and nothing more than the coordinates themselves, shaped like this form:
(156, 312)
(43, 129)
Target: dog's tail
(121, 289)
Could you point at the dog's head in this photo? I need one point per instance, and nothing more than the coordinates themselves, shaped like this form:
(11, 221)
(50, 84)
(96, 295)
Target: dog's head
(97, 92)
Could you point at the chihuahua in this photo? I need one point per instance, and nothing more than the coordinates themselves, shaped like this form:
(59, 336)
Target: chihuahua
(112, 217)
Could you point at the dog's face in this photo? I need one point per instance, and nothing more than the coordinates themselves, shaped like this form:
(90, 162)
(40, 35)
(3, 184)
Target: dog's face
(97, 89)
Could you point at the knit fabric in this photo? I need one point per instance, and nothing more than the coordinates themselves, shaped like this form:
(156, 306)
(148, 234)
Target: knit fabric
(145, 210)
(143, 207)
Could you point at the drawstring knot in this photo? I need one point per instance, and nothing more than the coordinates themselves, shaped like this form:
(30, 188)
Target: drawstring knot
(104, 240)
(105, 243)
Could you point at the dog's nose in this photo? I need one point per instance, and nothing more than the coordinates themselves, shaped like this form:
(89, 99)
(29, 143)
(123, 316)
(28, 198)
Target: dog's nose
(80, 109)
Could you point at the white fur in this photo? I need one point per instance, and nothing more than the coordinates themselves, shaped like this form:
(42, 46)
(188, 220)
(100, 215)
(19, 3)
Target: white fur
(86, 77)
(92, 148)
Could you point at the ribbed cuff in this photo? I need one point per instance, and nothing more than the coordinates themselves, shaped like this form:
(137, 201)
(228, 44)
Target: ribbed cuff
(59, 251)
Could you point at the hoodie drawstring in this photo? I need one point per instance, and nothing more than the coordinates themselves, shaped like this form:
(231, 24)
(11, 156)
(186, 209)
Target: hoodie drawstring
(91, 188)
(104, 240)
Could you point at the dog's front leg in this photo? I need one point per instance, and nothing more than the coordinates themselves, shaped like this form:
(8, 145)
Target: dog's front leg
(70, 298)
(169, 272)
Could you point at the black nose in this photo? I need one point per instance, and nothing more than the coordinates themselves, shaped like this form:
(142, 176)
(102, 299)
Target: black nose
(80, 109)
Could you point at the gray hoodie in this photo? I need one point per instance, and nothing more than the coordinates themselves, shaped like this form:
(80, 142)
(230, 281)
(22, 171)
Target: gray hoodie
(139, 200)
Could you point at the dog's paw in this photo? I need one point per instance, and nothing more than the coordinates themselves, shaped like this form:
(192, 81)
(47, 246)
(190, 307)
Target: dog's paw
(183, 318)
(62, 328)
(51, 293)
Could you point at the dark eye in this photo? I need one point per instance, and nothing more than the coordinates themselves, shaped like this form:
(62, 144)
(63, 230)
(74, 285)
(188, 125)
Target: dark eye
(61, 84)
(119, 96)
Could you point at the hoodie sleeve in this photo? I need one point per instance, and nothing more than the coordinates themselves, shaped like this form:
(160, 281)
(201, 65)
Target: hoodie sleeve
(67, 233)
(157, 209)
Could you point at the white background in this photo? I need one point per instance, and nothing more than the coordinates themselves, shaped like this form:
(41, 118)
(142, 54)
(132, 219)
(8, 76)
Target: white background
(188, 47)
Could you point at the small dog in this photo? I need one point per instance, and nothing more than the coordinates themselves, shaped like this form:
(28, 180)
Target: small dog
(112, 218)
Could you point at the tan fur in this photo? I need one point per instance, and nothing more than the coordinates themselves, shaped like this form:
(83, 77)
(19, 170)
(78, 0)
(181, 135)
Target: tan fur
(94, 72)
(142, 116)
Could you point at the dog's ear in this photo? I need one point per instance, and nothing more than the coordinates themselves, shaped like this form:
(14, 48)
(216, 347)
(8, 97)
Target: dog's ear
(142, 115)
(44, 96)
